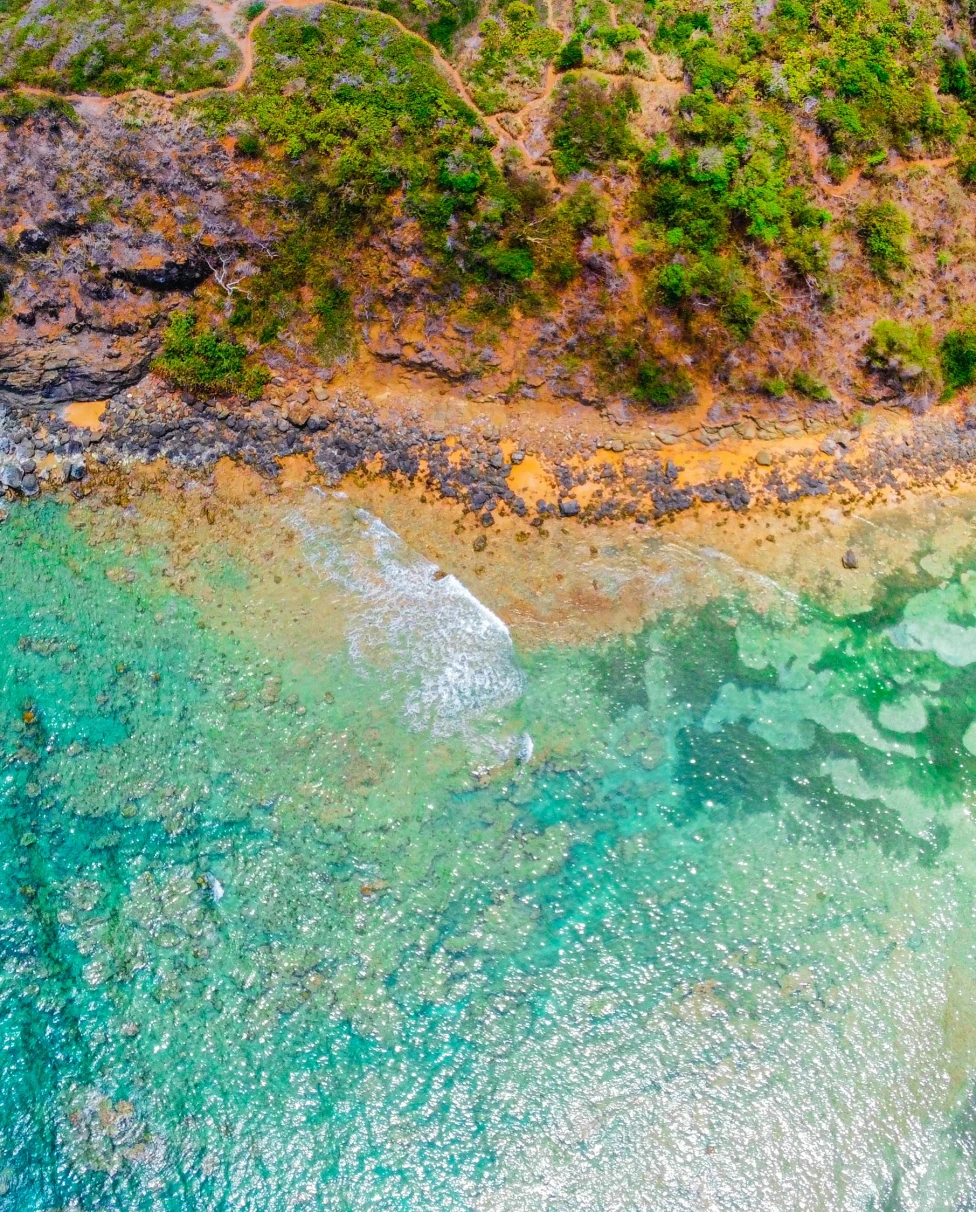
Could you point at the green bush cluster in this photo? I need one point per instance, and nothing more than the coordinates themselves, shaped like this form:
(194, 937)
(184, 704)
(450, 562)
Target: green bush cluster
(199, 359)
(724, 179)
(570, 54)
(646, 377)
(871, 65)
(810, 386)
(712, 279)
(870, 71)
(515, 47)
(957, 358)
(598, 30)
(333, 310)
(248, 145)
(907, 350)
(108, 46)
(590, 127)
(17, 107)
(910, 351)
(966, 163)
(883, 230)
(559, 230)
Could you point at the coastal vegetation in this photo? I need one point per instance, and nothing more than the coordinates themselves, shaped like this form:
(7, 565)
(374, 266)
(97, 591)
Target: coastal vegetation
(107, 46)
(375, 137)
(907, 351)
(199, 358)
(515, 47)
(957, 357)
(883, 230)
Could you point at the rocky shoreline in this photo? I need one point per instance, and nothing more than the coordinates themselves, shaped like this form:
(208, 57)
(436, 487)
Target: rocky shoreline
(479, 465)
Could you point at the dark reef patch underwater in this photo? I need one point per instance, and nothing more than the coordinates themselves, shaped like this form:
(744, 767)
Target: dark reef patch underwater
(680, 920)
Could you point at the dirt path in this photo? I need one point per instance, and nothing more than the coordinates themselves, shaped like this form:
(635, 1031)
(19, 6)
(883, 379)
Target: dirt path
(809, 140)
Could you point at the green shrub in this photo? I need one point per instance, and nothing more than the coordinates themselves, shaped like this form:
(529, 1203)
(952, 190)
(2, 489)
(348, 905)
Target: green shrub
(715, 280)
(17, 107)
(647, 378)
(248, 145)
(957, 357)
(671, 284)
(721, 281)
(254, 9)
(954, 78)
(810, 386)
(777, 387)
(556, 231)
(966, 164)
(570, 54)
(585, 210)
(333, 309)
(710, 70)
(898, 347)
(513, 263)
(883, 230)
(590, 127)
(660, 387)
(674, 35)
(199, 359)
(806, 253)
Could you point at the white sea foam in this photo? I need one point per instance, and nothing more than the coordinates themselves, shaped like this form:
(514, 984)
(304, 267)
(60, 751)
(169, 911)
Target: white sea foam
(454, 657)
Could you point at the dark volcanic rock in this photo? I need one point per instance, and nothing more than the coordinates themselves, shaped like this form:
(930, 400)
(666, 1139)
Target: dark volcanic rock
(172, 275)
(33, 241)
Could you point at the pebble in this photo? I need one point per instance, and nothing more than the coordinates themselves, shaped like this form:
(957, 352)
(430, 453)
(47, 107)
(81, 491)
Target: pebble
(849, 558)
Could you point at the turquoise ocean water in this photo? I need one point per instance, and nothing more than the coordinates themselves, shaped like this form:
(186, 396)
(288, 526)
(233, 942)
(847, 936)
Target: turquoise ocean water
(682, 920)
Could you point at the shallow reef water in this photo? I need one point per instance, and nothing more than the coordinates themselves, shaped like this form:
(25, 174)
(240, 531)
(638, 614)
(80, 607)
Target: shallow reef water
(674, 920)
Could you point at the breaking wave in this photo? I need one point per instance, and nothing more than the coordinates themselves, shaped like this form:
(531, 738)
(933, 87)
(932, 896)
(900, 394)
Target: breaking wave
(425, 629)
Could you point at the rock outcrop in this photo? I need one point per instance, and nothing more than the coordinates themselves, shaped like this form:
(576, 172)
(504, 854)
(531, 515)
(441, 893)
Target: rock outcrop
(106, 224)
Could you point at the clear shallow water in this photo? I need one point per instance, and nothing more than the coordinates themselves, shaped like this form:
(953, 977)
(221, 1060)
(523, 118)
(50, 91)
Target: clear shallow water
(278, 940)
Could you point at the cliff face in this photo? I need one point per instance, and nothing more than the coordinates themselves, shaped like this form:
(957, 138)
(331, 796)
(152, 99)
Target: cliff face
(110, 220)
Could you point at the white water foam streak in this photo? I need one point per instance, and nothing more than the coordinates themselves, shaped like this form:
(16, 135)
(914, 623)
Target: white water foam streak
(427, 631)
